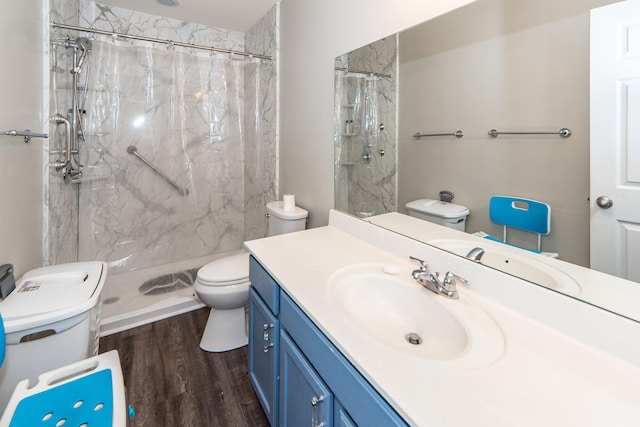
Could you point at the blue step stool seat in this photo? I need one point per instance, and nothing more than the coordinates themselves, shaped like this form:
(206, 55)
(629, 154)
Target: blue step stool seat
(89, 393)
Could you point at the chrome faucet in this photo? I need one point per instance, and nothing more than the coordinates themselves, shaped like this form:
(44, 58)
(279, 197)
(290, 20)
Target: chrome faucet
(445, 286)
(475, 254)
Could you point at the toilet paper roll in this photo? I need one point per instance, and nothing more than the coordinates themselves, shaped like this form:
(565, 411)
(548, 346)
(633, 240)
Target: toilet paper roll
(288, 202)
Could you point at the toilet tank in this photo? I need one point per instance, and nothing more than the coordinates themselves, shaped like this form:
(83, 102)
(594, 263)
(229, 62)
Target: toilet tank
(443, 213)
(283, 221)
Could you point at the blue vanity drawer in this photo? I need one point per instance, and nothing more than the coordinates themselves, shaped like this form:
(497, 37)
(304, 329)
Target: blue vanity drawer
(366, 407)
(264, 284)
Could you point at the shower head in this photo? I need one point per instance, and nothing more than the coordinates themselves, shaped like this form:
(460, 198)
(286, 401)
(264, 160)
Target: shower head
(132, 150)
(84, 44)
(84, 41)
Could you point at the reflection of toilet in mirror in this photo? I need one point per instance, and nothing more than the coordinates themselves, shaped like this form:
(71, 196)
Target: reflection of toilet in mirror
(439, 212)
(223, 284)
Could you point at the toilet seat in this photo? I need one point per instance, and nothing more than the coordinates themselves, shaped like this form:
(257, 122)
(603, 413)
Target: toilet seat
(228, 271)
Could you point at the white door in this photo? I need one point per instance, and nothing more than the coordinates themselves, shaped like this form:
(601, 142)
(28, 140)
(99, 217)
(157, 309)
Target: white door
(615, 139)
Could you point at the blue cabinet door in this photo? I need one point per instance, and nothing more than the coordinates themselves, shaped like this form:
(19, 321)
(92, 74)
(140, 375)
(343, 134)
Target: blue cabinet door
(304, 398)
(264, 343)
(363, 403)
(340, 417)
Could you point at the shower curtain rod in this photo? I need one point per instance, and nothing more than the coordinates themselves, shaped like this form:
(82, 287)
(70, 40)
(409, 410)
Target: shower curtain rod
(368, 73)
(154, 40)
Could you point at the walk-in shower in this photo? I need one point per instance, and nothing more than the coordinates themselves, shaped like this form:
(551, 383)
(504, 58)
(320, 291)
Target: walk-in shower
(160, 160)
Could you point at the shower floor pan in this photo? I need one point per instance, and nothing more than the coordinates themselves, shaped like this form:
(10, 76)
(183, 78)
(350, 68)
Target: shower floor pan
(147, 295)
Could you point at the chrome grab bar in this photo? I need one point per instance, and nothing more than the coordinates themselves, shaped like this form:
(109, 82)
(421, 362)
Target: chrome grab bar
(457, 134)
(364, 73)
(134, 151)
(564, 132)
(27, 134)
(60, 119)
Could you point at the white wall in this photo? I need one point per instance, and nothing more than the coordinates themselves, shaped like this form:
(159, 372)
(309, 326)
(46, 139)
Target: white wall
(313, 33)
(21, 107)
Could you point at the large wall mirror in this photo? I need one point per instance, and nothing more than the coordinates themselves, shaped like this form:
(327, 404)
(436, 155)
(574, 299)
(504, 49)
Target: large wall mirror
(510, 65)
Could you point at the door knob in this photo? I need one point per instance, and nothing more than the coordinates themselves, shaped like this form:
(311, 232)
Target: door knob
(604, 202)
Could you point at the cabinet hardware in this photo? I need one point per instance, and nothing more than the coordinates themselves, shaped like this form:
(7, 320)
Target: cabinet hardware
(315, 401)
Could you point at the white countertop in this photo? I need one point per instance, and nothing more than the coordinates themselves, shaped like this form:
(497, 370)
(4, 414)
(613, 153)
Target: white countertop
(612, 293)
(545, 376)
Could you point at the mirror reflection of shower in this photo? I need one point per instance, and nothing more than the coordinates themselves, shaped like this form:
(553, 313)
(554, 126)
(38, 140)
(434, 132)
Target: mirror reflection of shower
(365, 130)
(358, 110)
(69, 165)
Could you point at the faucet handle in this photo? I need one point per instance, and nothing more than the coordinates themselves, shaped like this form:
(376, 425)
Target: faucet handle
(424, 266)
(452, 279)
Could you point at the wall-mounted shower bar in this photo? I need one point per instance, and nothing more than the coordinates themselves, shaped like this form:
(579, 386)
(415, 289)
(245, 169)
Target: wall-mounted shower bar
(154, 40)
(564, 132)
(365, 73)
(27, 134)
(134, 151)
(457, 134)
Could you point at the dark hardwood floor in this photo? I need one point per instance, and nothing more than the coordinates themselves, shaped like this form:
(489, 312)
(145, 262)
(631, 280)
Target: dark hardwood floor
(172, 382)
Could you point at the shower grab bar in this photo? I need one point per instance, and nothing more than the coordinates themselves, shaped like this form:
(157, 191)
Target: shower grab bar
(457, 134)
(365, 73)
(134, 151)
(27, 134)
(58, 119)
(564, 132)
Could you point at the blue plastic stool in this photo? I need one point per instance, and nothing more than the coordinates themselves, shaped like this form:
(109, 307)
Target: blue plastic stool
(524, 214)
(89, 393)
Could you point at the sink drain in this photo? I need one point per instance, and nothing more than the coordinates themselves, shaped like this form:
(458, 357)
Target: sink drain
(413, 338)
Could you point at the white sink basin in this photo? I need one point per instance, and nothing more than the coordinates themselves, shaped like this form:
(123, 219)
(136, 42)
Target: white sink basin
(511, 262)
(386, 307)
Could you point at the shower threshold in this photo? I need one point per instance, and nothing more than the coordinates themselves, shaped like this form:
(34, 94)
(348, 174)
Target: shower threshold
(164, 309)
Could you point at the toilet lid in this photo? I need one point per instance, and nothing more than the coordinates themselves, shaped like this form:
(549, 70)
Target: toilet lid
(225, 271)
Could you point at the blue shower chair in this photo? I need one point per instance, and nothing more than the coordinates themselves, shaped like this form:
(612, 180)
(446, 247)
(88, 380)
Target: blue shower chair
(524, 214)
(86, 393)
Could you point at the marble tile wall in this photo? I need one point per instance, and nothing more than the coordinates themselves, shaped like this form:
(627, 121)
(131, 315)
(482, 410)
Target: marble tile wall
(111, 18)
(61, 199)
(368, 187)
(261, 148)
(130, 217)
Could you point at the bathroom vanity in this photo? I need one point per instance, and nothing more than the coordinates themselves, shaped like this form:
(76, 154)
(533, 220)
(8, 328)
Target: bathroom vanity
(316, 382)
(341, 334)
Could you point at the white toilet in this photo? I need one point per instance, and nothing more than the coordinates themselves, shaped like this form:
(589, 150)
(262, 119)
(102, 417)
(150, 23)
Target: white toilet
(223, 285)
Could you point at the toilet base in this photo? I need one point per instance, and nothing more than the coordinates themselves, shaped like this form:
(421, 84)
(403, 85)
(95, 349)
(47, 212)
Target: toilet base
(226, 330)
